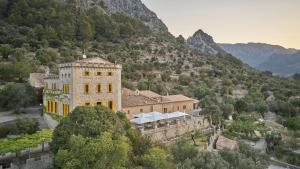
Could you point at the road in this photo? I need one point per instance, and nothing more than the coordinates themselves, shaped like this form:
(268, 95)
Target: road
(31, 112)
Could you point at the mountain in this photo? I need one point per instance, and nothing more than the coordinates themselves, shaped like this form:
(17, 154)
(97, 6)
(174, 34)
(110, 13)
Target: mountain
(204, 43)
(282, 64)
(51, 32)
(133, 8)
(264, 56)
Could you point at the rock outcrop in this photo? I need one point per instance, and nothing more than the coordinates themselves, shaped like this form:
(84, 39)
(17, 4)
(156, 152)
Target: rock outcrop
(133, 8)
(204, 43)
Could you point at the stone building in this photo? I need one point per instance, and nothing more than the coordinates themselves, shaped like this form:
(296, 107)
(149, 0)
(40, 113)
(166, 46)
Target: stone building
(87, 82)
(136, 102)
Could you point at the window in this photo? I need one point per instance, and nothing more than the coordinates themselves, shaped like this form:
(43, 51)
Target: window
(110, 73)
(86, 88)
(87, 104)
(69, 75)
(128, 112)
(54, 107)
(66, 110)
(110, 88)
(177, 107)
(66, 88)
(98, 88)
(141, 110)
(86, 73)
(110, 104)
(151, 108)
(99, 73)
(53, 86)
(99, 103)
(165, 110)
(51, 107)
(184, 107)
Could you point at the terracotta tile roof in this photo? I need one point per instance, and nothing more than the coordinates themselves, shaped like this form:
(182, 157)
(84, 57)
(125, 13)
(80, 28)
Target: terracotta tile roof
(224, 142)
(149, 93)
(136, 100)
(177, 98)
(146, 97)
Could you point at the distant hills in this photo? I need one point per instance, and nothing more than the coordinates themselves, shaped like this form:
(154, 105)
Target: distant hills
(265, 57)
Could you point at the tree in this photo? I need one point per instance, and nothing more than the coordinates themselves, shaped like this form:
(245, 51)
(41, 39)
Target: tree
(84, 29)
(5, 50)
(260, 159)
(227, 110)
(27, 126)
(262, 108)
(293, 123)
(272, 139)
(17, 96)
(88, 122)
(206, 160)
(182, 150)
(156, 158)
(241, 106)
(214, 113)
(180, 39)
(184, 80)
(100, 152)
(140, 144)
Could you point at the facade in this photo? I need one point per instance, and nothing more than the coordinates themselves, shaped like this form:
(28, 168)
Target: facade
(136, 102)
(87, 82)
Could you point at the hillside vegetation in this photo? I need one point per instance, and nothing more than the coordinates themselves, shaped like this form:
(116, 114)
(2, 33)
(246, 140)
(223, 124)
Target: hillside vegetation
(42, 33)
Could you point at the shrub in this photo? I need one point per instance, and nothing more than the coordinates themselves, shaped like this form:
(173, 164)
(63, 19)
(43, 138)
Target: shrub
(3, 131)
(27, 126)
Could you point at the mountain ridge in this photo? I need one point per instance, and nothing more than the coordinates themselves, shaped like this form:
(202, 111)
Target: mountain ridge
(133, 8)
(258, 54)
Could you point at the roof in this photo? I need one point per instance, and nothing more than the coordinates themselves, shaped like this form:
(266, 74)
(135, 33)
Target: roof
(93, 60)
(147, 97)
(178, 98)
(36, 79)
(136, 100)
(155, 116)
(224, 142)
(149, 93)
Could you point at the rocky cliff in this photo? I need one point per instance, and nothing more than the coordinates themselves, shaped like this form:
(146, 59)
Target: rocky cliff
(204, 43)
(134, 8)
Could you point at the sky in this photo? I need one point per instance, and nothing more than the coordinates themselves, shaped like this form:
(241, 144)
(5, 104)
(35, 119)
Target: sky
(233, 21)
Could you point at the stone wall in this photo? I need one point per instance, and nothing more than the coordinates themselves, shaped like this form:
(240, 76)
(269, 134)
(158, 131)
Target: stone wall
(50, 122)
(45, 162)
(171, 133)
(159, 107)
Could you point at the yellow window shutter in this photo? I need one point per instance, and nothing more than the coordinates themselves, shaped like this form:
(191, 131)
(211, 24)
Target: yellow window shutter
(113, 106)
(51, 109)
